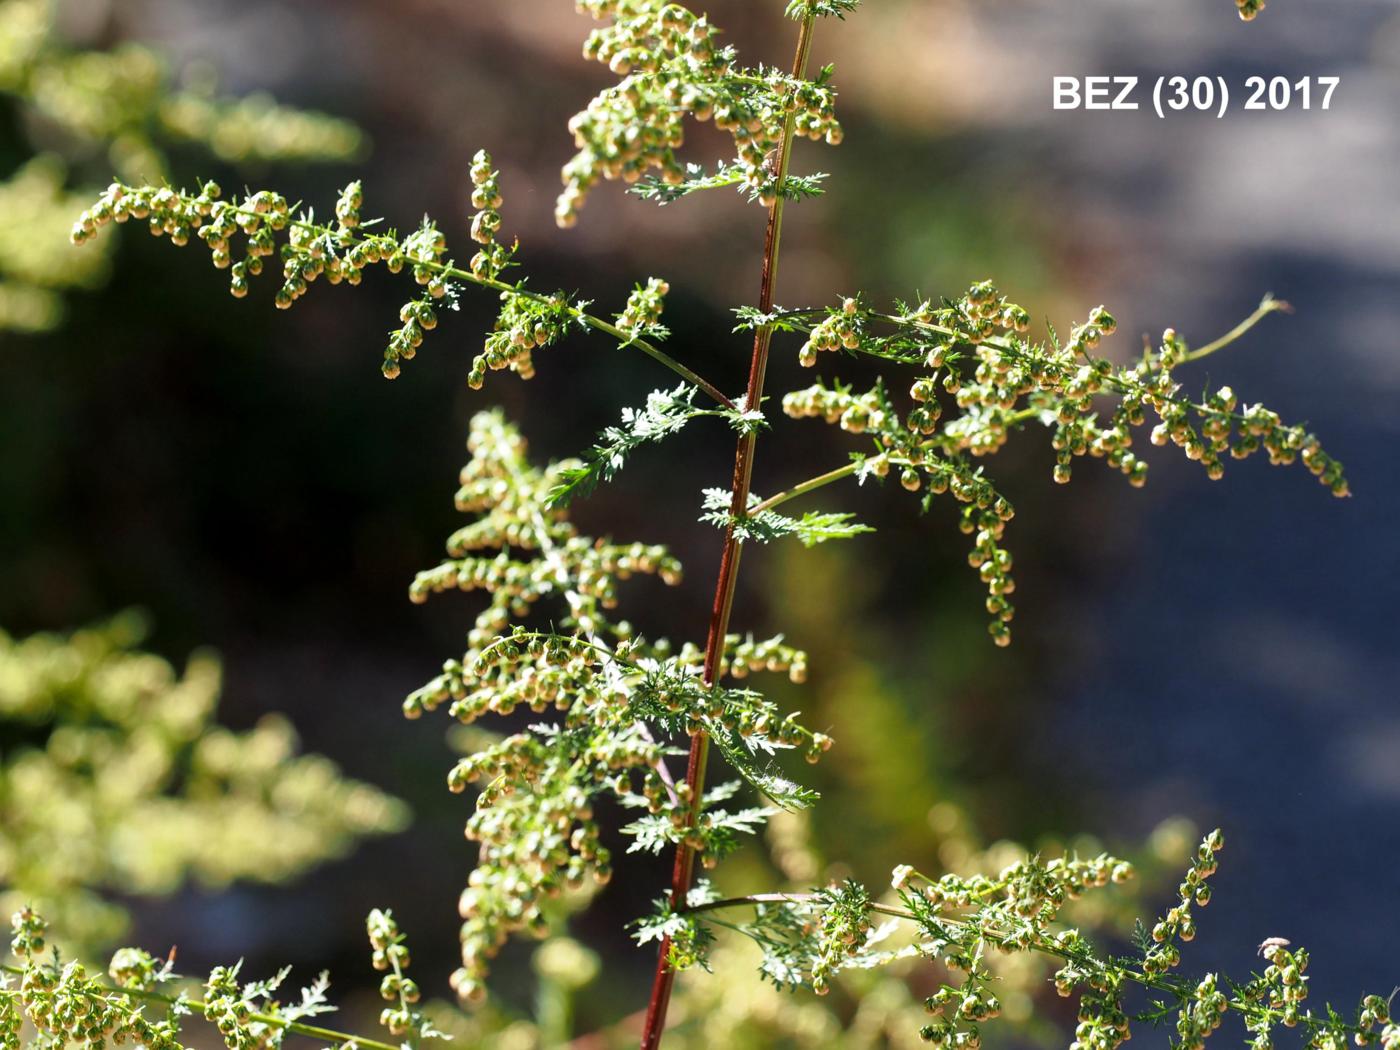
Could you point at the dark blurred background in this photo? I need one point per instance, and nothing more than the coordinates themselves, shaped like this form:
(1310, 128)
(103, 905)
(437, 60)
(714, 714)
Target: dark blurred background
(1222, 651)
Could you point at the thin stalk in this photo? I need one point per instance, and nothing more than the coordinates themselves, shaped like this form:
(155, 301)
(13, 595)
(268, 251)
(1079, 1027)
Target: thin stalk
(945, 466)
(195, 1005)
(664, 980)
(810, 485)
(1268, 306)
(656, 354)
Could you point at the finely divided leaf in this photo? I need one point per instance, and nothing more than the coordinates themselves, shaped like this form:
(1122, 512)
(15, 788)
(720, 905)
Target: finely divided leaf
(812, 528)
(664, 414)
(653, 187)
(764, 776)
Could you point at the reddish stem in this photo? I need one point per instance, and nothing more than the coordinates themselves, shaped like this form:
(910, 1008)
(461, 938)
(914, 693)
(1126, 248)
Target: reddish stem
(681, 875)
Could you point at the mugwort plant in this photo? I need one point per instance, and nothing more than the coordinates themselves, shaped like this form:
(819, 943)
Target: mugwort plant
(960, 376)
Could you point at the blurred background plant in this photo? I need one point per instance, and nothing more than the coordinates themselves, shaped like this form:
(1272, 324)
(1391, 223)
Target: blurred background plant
(90, 111)
(114, 778)
(283, 520)
(116, 782)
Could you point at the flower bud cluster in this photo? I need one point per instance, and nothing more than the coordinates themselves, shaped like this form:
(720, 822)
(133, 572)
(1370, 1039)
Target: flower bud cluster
(137, 970)
(65, 1005)
(642, 316)
(583, 571)
(389, 947)
(537, 674)
(27, 934)
(534, 811)
(510, 495)
(745, 656)
(253, 1016)
(534, 820)
(228, 1009)
(75, 1008)
(1284, 985)
(840, 330)
(1179, 922)
(844, 930)
(341, 253)
(925, 461)
(309, 252)
(838, 405)
(1219, 427)
(1012, 912)
(1201, 1014)
(493, 257)
(978, 354)
(1374, 1011)
(1101, 1023)
(1004, 371)
(675, 693)
(1030, 891)
(526, 321)
(962, 917)
(422, 252)
(960, 1010)
(948, 1035)
(347, 207)
(1275, 997)
(523, 326)
(671, 65)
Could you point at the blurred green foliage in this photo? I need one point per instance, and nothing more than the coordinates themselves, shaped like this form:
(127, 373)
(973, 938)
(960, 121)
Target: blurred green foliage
(88, 114)
(114, 775)
(115, 778)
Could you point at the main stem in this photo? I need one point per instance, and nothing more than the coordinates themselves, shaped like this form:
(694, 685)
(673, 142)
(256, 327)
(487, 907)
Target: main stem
(655, 1023)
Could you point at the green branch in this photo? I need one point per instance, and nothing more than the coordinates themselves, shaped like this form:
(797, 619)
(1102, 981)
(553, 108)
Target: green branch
(1269, 306)
(797, 320)
(342, 239)
(810, 485)
(1180, 989)
(598, 324)
(298, 1027)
